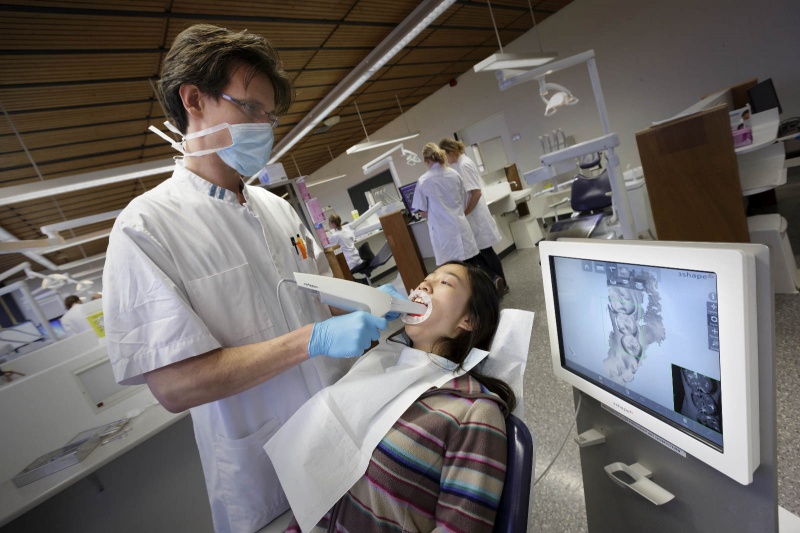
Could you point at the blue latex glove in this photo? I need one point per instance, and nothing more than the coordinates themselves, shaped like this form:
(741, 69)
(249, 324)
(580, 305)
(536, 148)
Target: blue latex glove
(391, 291)
(346, 335)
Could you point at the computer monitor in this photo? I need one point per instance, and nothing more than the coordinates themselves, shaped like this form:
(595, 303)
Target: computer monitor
(407, 192)
(762, 97)
(58, 328)
(665, 336)
(21, 335)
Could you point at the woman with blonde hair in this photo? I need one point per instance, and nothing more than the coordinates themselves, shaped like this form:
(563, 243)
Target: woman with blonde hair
(440, 196)
(480, 219)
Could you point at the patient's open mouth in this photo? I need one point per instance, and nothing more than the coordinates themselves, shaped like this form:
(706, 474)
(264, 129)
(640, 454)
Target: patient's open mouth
(421, 298)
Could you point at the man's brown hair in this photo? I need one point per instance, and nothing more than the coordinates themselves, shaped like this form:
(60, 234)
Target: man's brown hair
(203, 54)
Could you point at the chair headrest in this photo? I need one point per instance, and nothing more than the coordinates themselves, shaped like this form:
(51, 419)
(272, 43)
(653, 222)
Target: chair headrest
(508, 353)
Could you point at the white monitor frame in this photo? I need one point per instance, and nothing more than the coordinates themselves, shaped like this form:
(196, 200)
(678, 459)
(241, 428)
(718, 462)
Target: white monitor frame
(735, 268)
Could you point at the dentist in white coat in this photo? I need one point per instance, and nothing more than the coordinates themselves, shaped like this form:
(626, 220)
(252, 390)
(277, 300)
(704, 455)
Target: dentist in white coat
(192, 270)
(440, 196)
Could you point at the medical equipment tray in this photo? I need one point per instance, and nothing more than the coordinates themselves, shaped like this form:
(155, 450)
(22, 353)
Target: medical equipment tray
(75, 451)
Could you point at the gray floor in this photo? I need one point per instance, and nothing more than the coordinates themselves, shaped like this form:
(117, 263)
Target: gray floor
(558, 504)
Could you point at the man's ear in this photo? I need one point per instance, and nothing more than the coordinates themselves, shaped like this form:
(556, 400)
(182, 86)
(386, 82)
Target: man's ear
(192, 99)
(465, 323)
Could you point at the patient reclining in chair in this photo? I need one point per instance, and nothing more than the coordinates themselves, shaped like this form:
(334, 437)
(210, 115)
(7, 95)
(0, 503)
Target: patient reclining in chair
(412, 439)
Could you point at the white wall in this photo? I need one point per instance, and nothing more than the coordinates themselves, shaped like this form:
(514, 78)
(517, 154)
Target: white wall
(654, 59)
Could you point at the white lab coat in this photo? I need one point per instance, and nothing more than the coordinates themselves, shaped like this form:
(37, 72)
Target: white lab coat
(480, 219)
(74, 321)
(440, 192)
(346, 240)
(189, 270)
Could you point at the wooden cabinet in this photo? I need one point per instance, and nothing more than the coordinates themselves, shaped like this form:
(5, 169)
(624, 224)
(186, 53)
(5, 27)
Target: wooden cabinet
(692, 178)
(404, 249)
(338, 263)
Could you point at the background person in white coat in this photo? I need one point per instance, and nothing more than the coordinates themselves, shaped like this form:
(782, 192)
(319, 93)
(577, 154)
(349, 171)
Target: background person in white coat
(346, 239)
(74, 321)
(480, 219)
(193, 268)
(440, 196)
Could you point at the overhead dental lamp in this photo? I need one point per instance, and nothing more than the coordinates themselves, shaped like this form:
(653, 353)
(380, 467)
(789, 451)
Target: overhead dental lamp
(562, 97)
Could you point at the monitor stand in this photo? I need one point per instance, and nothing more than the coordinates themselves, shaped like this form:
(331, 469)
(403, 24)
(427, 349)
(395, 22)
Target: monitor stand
(704, 499)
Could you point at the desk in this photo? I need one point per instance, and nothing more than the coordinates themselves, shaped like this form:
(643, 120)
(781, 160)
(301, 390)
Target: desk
(16, 501)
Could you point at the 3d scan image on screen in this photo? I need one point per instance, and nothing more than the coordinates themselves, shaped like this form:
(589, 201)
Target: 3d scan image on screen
(646, 332)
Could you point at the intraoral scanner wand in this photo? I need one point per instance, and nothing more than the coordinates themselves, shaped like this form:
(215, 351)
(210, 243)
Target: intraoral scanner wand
(352, 296)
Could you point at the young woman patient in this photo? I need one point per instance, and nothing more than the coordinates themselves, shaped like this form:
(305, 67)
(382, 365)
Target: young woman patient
(441, 466)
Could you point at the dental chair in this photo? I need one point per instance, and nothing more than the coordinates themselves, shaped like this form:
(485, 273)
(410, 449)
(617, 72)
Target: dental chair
(512, 515)
(590, 200)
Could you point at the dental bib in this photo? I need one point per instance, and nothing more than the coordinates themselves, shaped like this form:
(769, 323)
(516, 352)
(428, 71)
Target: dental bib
(326, 446)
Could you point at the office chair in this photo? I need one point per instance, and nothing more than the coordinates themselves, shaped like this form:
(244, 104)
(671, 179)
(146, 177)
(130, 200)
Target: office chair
(371, 261)
(512, 514)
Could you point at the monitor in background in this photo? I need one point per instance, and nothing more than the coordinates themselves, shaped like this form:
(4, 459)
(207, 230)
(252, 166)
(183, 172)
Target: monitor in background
(407, 192)
(665, 335)
(21, 335)
(59, 330)
(762, 97)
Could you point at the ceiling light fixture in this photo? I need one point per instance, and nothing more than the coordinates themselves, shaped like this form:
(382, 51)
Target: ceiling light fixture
(326, 180)
(375, 144)
(80, 262)
(88, 180)
(54, 240)
(419, 19)
(514, 61)
(53, 230)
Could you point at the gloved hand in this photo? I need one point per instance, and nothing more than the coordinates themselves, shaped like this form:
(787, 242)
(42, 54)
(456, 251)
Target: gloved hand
(394, 293)
(346, 335)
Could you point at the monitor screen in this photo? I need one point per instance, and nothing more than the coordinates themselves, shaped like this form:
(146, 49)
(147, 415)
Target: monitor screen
(647, 334)
(407, 192)
(58, 328)
(666, 336)
(21, 335)
(762, 97)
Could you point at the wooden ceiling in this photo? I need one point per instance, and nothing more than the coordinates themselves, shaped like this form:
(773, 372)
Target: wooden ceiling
(77, 78)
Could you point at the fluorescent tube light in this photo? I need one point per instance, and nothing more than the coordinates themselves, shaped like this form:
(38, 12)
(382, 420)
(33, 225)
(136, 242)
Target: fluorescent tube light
(422, 16)
(375, 144)
(326, 180)
(79, 182)
(52, 230)
(514, 61)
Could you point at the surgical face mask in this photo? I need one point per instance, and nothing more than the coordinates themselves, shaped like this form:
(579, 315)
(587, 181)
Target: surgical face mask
(249, 151)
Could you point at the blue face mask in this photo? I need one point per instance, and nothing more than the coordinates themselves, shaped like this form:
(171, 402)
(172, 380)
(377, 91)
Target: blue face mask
(248, 152)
